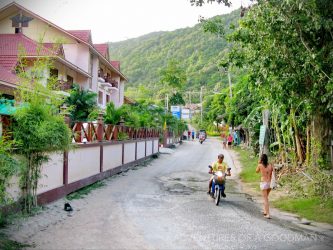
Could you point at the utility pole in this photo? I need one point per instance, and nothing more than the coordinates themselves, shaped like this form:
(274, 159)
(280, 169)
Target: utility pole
(264, 133)
(201, 103)
(167, 103)
(226, 70)
(230, 86)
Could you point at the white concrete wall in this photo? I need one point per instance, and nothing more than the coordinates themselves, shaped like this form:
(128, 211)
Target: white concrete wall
(82, 81)
(83, 163)
(52, 174)
(64, 71)
(129, 151)
(149, 148)
(95, 74)
(78, 54)
(115, 98)
(141, 150)
(112, 156)
(155, 146)
(13, 190)
(121, 92)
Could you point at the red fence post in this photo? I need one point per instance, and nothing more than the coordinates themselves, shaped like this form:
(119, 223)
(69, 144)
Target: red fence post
(78, 132)
(65, 155)
(100, 127)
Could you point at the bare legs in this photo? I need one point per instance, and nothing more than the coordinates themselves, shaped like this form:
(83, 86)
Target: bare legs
(224, 145)
(265, 194)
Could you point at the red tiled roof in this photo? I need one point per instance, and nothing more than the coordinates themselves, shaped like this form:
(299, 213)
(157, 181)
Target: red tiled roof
(102, 48)
(10, 44)
(116, 64)
(10, 49)
(8, 62)
(7, 76)
(54, 46)
(81, 34)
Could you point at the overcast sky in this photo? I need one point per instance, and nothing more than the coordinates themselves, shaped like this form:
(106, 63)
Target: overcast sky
(116, 20)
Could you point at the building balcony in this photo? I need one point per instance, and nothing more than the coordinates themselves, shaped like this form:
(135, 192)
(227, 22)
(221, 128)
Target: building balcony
(61, 85)
(64, 86)
(114, 83)
(108, 84)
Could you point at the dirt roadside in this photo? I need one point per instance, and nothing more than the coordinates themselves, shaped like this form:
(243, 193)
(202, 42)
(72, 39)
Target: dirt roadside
(323, 228)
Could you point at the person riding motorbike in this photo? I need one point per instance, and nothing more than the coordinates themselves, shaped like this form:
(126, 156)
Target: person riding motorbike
(219, 165)
(201, 137)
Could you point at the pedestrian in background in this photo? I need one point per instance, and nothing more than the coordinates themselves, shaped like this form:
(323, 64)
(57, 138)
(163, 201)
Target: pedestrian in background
(235, 138)
(266, 171)
(224, 140)
(193, 134)
(230, 139)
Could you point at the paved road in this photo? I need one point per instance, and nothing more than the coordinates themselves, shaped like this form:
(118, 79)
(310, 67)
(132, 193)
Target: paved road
(164, 205)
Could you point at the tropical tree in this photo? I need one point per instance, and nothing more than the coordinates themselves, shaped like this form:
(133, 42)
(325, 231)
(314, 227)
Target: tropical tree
(177, 99)
(9, 166)
(173, 75)
(286, 48)
(112, 114)
(288, 51)
(39, 128)
(81, 103)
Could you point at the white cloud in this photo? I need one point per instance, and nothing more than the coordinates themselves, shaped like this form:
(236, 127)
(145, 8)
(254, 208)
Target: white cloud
(114, 20)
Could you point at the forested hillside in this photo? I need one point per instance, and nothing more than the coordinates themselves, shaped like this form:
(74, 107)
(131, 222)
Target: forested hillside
(198, 53)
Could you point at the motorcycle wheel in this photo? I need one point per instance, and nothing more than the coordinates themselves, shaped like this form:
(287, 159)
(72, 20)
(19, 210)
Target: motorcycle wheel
(201, 142)
(217, 196)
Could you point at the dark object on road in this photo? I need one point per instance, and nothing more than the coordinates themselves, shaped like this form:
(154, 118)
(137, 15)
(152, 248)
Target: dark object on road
(68, 207)
(155, 156)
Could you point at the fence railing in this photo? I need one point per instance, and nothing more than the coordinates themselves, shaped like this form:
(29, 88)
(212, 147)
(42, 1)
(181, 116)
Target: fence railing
(89, 132)
(97, 132)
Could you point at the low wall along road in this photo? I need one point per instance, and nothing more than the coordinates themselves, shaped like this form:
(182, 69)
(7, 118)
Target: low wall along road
(86, 164)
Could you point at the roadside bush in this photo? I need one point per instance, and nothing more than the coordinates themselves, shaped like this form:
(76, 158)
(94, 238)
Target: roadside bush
(38, 131)
(9, 166)
(310, 183)
(213, 133)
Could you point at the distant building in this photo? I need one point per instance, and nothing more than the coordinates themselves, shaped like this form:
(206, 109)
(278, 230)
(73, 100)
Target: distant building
(76, 59)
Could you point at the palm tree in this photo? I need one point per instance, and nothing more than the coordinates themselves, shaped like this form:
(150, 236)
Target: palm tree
(81, 102)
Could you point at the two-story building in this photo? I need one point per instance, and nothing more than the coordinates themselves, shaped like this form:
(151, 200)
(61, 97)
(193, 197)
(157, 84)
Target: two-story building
(76, 59)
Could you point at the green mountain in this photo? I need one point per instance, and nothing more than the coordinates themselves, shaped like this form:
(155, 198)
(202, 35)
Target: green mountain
(198, 53)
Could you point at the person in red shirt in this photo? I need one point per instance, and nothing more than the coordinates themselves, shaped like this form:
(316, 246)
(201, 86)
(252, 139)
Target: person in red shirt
(230, 139)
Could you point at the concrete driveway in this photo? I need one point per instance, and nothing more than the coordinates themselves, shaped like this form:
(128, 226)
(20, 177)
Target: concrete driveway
(164, 205)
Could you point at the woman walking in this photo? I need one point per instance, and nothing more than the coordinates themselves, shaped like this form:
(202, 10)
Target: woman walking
(266, 171)
(230, 139)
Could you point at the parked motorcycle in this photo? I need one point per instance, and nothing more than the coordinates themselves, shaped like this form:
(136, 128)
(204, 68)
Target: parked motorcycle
(218, 185)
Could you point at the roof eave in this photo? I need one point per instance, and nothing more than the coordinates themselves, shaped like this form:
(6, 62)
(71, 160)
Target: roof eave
(67, 63)
(66, 32)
